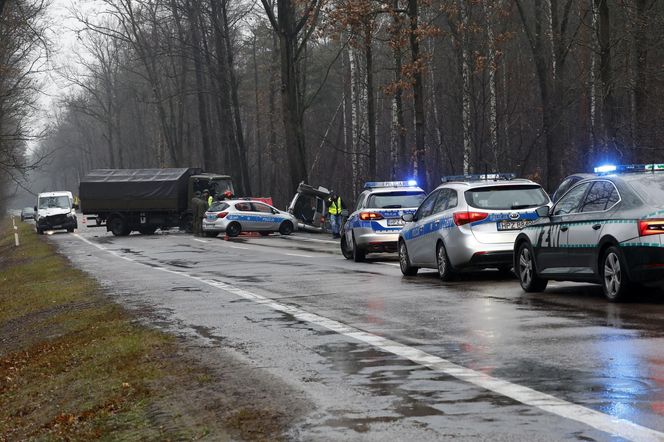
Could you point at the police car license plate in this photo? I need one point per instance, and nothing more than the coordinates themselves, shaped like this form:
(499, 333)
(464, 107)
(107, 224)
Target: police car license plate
(395, 222)
(211, 217)
(513, 225)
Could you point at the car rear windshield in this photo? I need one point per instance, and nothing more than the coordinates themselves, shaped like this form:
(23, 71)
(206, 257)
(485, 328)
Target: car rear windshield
(507, 197)
(395, 200)
(218, 206)
(649, 186)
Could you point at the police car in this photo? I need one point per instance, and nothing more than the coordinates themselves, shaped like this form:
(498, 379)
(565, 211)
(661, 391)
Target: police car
(236, 216)
(375, 224)
(607, 229)
(470, 221)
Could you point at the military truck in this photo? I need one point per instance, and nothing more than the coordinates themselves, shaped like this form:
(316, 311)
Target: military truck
(144, 200)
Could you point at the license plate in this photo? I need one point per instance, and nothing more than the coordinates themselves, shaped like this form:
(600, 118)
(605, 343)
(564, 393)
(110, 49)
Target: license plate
(211, 217)
(513, 225)
(395, 222)
(57, 227)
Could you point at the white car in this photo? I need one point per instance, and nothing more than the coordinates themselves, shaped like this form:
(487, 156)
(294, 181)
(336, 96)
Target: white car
(236, 216)
(55, 211)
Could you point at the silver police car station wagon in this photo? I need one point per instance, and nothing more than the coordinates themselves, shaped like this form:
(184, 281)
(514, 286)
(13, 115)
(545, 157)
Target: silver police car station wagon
(469, 221)
(236, 216)
(375, 224)
(607, 230)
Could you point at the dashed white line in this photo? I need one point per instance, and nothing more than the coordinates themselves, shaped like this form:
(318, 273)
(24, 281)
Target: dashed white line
(200, 240)
(239, 247)
(525, 395)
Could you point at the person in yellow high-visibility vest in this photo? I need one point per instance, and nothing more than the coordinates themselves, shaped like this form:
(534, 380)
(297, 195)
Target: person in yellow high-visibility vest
(335, 207)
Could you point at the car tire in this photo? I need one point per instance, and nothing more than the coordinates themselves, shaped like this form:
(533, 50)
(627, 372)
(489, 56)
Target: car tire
(443, 265)
(40, 231)
(527, 272)
(359, 255)
(233, 229)
(615, 282)
(286, 228)
(404, 261)
(265, 233)
(348, 254)
(118, 226)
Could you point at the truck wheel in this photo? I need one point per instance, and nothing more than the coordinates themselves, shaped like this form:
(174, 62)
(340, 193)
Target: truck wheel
(286, 228)
(233, 230)
(187, 223)
(118, 226)
(147, 230)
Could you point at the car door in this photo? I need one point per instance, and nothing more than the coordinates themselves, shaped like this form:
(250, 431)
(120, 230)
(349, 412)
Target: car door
(585, 225)
(421, 234)
(245, 216)
(264, 217)
(551, 247)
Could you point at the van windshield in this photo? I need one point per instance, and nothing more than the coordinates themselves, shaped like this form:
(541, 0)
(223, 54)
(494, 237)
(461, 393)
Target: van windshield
(507, 197)
(54, 202)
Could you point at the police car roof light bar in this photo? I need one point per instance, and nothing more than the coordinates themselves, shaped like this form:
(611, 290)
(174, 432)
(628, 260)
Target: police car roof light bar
(479, 177)
(377, 184)
(628, 168)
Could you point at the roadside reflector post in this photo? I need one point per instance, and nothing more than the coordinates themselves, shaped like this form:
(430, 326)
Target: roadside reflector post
(15, 233)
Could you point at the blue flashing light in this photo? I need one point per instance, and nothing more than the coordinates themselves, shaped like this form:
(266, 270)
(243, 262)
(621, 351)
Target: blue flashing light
(607, 168)
(378, 184)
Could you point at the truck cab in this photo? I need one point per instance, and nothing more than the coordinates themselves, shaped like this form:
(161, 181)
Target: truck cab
(214, 183)
(55, 211)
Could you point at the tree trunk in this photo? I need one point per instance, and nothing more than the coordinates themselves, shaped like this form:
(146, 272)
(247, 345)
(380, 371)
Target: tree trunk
(258, 142)
(371, 104)
(493, 66)
(466, 92)
(418, 95)
(606, 74)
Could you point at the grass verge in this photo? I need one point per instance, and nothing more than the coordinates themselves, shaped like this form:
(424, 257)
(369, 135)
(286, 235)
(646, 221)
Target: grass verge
(75, 366)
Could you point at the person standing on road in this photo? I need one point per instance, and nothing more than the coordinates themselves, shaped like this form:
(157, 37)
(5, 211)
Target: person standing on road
(335, 208)
(196, 203)
(207, 198)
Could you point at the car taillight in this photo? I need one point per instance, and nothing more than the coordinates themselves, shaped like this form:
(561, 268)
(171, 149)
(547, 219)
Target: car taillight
(461, 218)
(366, 216)
(222, 214)
(651, 227)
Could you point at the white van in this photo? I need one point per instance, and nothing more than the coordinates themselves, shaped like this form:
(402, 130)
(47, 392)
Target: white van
(55, 211)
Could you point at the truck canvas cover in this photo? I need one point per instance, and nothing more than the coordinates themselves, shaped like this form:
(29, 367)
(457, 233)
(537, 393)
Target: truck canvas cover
(104, 190)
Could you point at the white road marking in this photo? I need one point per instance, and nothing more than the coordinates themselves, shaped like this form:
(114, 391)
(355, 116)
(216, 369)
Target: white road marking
(525, 395)
(297, 254)
(325, 241)
(200, 240)
(393, 264)
(239, 247)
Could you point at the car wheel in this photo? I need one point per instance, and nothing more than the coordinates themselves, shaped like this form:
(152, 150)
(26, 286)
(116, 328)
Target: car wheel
(404, 261)
(233, 230)
(118, 226)
(40, 231)
(445, 271)
(527, 273)
(286, 228)
(265, 233)
(359, 255)
(615, 282)
(348, 254)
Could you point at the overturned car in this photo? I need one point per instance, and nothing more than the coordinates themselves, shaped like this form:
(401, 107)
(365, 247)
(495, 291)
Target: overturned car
(309, 207)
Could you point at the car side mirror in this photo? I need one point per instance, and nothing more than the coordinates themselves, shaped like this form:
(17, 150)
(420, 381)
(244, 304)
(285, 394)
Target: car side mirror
(543, 211)
(408, 217)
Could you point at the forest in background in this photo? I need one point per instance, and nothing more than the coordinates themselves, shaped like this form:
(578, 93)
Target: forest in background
(338, 92)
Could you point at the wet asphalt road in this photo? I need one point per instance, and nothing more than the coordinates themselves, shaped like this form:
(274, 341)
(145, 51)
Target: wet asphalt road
(295, 308)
